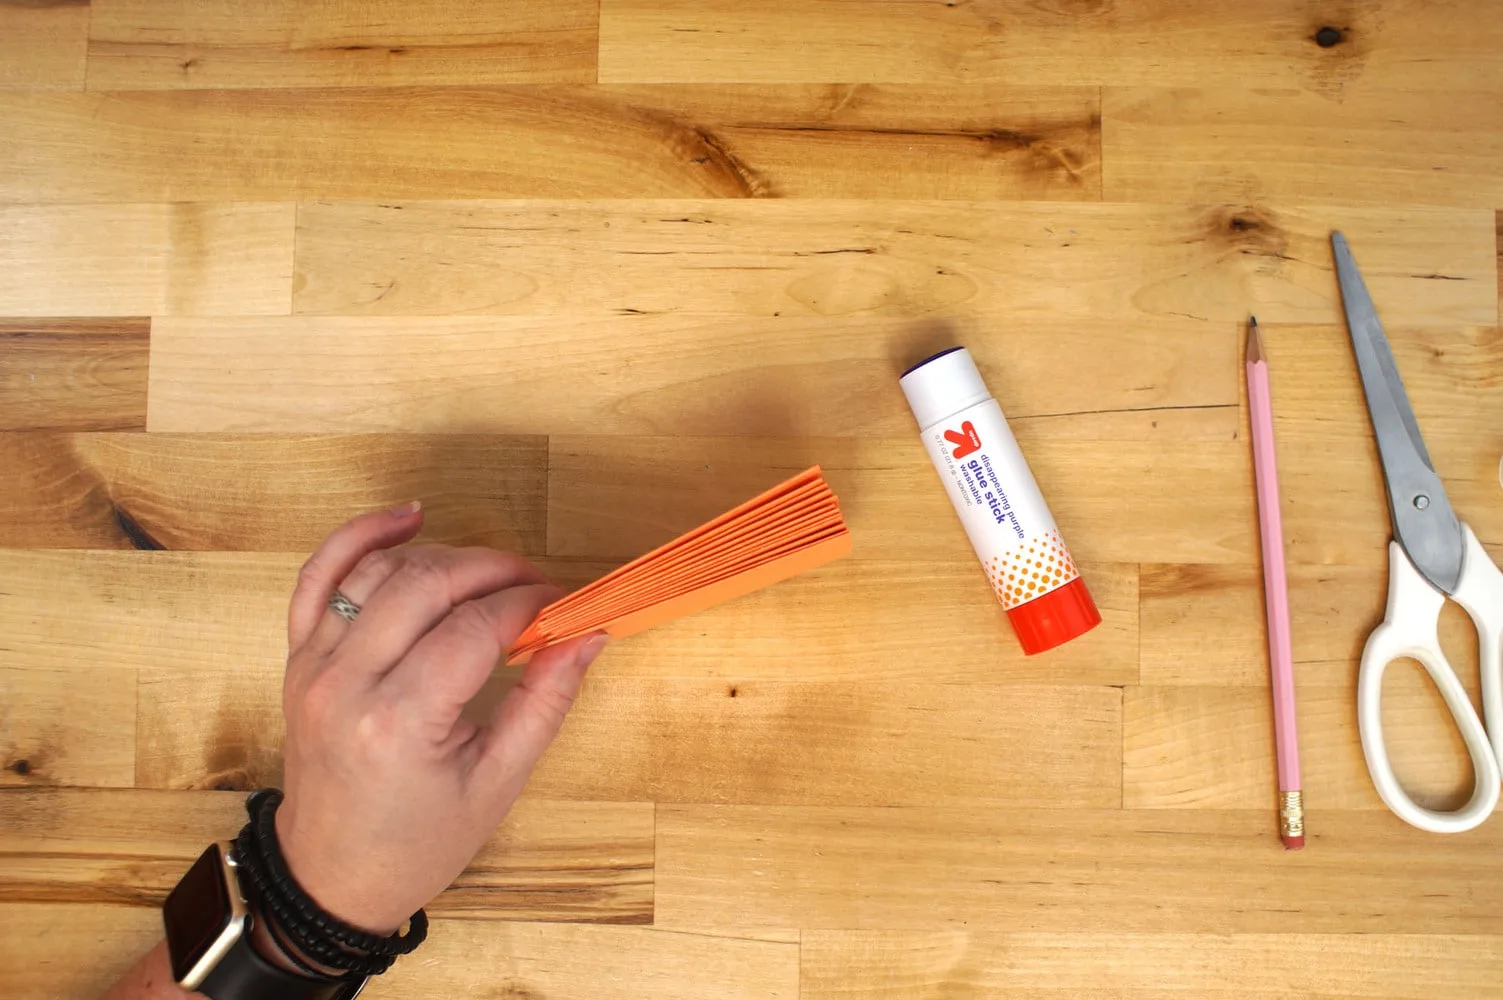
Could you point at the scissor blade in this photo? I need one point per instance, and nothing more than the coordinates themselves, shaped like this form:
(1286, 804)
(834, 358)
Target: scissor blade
(1423, 521)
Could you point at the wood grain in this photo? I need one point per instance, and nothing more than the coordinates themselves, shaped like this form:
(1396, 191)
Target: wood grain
(996, 267)
(1204, 625)
(1058, 870)
(140, 260)
(66, 961)
(549, 861)
(1379, 146)
(803, 743)
(42, 44)
(775, 742)
(265, 493)
(87, 375)
(503, 142)
(200, 614)
(1212, 747)
(157, 44)
(961, 964)
(620, 497)
(64, 725)
(76, 951)
(582, 275)
(649, 375)
(1420, 47)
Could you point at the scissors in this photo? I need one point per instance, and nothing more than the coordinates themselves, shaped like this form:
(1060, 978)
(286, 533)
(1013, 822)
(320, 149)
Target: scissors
(1432, 556)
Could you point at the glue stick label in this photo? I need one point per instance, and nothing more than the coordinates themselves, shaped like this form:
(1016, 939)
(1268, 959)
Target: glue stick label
(999, 504)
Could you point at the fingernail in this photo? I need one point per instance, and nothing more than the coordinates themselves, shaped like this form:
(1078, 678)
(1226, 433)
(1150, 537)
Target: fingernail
(591, 649)
(406, 509)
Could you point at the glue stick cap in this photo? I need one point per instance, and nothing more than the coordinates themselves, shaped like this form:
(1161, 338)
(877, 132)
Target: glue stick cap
(1055, 618)
(943, 384)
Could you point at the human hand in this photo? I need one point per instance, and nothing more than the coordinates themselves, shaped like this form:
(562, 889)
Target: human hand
(389, 792)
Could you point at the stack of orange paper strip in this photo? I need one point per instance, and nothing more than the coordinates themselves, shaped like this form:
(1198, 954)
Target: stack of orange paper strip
(791, 528)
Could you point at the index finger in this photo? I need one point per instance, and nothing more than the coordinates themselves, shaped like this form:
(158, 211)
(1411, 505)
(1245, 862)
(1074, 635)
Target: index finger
(333, 560)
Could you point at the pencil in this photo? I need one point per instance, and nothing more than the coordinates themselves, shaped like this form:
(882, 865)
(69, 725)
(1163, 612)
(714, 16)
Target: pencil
(1275, 594)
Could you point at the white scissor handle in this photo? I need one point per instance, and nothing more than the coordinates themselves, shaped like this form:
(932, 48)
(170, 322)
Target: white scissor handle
(1409, 629)
(1480, 592)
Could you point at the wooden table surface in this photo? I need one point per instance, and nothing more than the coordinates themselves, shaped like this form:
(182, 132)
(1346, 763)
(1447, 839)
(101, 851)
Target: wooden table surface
(579, 275)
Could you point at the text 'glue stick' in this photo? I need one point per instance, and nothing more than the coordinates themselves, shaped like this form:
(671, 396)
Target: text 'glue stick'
(999, 504)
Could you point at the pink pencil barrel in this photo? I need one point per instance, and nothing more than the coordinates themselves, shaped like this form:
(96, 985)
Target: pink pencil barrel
(1275, 594)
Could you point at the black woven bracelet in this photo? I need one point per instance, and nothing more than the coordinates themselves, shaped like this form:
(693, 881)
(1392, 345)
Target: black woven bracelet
(321, 937)
(304, 937)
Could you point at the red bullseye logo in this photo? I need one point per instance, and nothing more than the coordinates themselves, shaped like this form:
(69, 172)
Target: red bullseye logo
(965, 441)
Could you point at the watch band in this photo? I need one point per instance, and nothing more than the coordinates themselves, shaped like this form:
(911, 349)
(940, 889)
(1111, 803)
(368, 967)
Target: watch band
(244, 975)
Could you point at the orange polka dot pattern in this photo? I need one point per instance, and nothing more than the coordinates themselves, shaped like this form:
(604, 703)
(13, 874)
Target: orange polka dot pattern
(1031, 570)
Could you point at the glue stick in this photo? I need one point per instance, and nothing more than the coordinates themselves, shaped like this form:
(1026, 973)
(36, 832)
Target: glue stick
(999, 504)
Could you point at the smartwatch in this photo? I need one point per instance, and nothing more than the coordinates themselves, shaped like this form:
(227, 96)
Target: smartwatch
(208, 940)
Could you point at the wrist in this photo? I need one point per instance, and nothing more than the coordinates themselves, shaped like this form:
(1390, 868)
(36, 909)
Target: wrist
(305, 928)
(315, 873)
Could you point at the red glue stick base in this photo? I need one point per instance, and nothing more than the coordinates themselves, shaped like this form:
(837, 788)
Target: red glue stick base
(1055, 618)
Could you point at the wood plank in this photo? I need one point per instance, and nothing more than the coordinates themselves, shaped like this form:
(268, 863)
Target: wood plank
(265, 493)
(1212, 748)
(198, 613)
(618, 497)
(1058, 870)
(662, 375)
(1379, 146)
(995, 267)
(42, 44)
(1204, 625)
(1433, 46)
(76, 951)
(831, 744)
(772, 742)
(213, 729)
(956, 964)
(64, 724)
(528, 141)
(594, 963)
(143, 260)
(873, 621)
(158, 44)
(548, 861)
(1335, 504)
(79, 374)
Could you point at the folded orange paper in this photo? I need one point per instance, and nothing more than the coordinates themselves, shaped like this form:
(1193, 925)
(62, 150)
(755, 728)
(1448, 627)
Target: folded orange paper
(793, 527)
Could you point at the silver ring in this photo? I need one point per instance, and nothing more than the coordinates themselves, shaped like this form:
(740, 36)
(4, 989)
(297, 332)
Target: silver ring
(343, 606)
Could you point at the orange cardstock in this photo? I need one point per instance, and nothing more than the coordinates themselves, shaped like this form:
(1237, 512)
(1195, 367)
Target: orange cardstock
(794, 527)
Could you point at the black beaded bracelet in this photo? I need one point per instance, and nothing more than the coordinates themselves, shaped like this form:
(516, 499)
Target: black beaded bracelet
(295, 919)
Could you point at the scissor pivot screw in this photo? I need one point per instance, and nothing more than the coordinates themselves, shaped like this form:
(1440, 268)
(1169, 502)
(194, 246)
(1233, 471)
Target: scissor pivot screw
(1421, 502)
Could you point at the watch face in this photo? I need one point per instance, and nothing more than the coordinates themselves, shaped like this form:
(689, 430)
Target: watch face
(197, 913)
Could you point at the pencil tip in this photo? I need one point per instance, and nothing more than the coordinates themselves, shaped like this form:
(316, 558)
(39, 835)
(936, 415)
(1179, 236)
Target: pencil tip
(1254, 342)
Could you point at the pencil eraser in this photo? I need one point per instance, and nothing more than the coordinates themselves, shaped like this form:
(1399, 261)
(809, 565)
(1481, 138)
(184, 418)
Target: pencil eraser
(1294, 843)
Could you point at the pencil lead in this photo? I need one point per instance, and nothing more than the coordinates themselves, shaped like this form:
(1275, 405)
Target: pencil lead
(1254, 342)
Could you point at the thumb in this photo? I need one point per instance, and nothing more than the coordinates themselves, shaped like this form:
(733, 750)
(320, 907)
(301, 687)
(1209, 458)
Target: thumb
(530, 715)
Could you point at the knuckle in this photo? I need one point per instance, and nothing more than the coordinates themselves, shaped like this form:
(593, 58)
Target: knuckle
(426, 569)
(376, 563)
(380, 731)
(311, 573)
(319, 700)
(473, 620)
